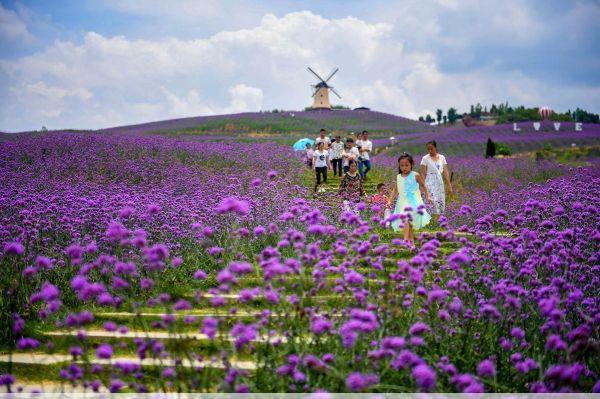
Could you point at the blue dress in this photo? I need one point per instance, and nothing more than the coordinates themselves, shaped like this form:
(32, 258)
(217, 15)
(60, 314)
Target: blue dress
(409, 196)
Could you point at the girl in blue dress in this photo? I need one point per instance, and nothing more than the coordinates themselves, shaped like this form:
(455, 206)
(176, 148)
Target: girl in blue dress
(408, 189)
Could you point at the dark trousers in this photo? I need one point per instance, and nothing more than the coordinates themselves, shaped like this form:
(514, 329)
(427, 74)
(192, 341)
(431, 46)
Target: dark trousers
(337, 166)
(321, 171)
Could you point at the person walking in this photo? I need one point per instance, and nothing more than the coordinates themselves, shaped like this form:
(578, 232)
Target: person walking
(409, 204)
(366, 146)
(320, 164)
(337, 148)
(323, 139)
(350, 153)
(351, 189)
(435, 169)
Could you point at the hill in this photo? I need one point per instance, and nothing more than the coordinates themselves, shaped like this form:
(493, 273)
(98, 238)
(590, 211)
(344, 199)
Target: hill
(460, 140)
(287, 122)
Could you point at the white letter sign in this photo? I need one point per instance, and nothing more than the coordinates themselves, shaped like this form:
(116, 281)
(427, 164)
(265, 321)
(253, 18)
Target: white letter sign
(578, 127)
(515, 128)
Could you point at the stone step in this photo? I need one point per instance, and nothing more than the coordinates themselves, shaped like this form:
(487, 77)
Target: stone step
(26, 386)
(37, 358)
(158, 335)
(223, 315)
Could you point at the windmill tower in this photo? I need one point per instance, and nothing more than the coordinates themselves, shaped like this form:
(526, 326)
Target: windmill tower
(321, 91)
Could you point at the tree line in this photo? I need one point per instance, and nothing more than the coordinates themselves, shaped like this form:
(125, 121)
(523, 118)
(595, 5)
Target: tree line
(504, 113)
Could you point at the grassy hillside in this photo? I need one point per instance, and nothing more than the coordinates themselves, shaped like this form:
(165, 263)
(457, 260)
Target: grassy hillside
(289, 122)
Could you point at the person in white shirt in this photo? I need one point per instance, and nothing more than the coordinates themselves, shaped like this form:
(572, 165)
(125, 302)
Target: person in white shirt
(320, 164)
(337, 148)
(366, 146)
(351, 152)
(323, 139)
(435, 169)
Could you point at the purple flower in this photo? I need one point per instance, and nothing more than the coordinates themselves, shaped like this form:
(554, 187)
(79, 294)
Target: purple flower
(199, 275)
(115, 385)
(14, 248)
(209, 327)
(168, 372)
(243, 334)
(176, 262)
(555, 343)
(104, 351)
(241, 267)
(517, 332)
(74, 251)
(231, 204)
(320, 325)
(7, 379)
(354, 278)
(27, 343)
(486, 368)
(419, 328)
(357, 382)
(43, 263)
(225, 277)
(182, 304)
(424, 376)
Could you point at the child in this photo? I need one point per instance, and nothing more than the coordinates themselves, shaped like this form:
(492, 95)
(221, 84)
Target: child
(309, 156)
(408, 189)
(320, 164)
(382, 200)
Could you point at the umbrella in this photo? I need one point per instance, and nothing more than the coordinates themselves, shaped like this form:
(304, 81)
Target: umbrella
(301, 144)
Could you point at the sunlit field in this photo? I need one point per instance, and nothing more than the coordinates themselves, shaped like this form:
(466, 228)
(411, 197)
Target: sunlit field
(138, 262)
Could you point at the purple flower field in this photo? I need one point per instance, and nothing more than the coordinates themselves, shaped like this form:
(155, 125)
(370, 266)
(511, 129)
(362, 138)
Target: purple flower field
(463, 141)
(136, 263)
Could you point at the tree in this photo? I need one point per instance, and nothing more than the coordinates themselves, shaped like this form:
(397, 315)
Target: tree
(490, 148)
(445, 119)
(472, 113)
(438, 114)
(452, 115)
(428, 118)
(478, 111)
(421, 119)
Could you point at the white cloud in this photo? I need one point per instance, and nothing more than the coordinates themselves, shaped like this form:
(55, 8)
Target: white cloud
(245, 98)
(50, 101)
(108, 81)
(13, 27)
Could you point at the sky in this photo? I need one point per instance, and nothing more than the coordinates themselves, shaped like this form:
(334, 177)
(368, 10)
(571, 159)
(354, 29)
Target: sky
(92, 64)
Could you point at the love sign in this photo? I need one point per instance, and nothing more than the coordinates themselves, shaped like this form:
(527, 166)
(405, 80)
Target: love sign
(538, 125)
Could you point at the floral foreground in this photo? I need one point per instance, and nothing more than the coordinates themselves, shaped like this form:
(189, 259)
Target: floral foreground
(328, 307)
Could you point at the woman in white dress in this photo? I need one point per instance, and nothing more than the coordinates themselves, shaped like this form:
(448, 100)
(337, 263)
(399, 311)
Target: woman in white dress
(435, 169)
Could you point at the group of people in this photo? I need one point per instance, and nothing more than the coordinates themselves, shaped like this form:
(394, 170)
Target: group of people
(334, 154)
(402, 207)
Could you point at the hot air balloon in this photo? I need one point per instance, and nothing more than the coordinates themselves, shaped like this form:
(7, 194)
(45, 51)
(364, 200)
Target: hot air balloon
(545, 112)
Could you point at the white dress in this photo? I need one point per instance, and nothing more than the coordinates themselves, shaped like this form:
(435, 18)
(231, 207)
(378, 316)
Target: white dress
(434, 181)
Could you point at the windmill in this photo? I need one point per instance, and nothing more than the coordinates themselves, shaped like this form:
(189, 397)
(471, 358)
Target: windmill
(321, 91)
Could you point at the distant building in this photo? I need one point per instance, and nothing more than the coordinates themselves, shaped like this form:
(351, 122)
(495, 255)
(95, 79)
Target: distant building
(362, 109)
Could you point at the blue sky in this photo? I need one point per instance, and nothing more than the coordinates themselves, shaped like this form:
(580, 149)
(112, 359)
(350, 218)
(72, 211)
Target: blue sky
(92, 64)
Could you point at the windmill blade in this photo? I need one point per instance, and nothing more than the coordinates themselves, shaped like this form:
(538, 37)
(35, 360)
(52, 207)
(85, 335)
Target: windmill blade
(335, 92)
(332, 73)
(314, 73)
